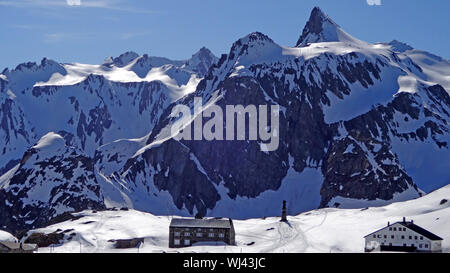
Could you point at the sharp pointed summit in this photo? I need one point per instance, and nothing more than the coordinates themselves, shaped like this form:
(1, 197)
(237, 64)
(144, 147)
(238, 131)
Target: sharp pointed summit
(201, 61)
(321, 28)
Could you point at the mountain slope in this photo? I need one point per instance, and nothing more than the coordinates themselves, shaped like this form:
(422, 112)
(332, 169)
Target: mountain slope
(51, 179)
(324, 230)
(355, 108)
(96, 104)
(358, 124)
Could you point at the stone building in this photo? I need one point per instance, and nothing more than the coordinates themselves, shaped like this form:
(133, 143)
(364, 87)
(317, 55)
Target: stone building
(186, 232)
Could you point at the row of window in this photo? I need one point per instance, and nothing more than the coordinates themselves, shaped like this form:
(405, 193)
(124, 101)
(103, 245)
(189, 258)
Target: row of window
(199, 234)
(178, 242)
(420, 245)
(198, 229)
(402, 237)
(395, 229)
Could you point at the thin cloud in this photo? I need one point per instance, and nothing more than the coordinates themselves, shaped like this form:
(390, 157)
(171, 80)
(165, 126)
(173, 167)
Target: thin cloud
(73, 2)
(116, 5)
(373, 2)
(58, 37)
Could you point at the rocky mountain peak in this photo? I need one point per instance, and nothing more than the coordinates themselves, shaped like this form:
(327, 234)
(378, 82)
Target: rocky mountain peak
(253, 47)
(46, 64)
(122, 60)
(201, 61)
(26, 74)
(399, 46)
(255, 37)
(321, 28)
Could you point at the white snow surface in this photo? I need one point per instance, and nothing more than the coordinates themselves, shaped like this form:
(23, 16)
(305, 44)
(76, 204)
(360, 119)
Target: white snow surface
(323, 230)
(178, 83)
(51, 139)
(7, 237)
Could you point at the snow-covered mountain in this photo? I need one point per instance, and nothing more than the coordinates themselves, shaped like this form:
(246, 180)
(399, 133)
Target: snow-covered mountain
(323, 230)
(94, 104)
(86, 105)
(321, 28)
(52, 178)
(360, 124)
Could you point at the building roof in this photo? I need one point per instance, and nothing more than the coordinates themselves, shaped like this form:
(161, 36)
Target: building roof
(200, 223)
(413, 227)
(13, 246)
(421, 231)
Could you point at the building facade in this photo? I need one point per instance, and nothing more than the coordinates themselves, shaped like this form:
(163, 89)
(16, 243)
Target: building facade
(403, 236)
(186, 232)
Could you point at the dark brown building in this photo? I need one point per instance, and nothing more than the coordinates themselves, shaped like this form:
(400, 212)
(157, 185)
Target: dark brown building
(186, 232)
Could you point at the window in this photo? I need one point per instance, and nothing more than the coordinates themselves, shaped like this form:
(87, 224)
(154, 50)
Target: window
(404, 229)
(385, 236)
(421, 237)
(210, 235)
(392, 236)
(379, 236)
(221, 235)
(176, 242)
(177, 233)
(412, 245)
(187, 242)
(420, 246)
(426, 245)
(390, 229)
(410, 237)
(395, 229)
(374, 236)
(187, 234)
(403, 236)
(415, 237)
(199, 234)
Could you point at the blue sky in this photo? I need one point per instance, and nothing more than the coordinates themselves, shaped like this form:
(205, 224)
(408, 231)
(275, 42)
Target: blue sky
(87, 31)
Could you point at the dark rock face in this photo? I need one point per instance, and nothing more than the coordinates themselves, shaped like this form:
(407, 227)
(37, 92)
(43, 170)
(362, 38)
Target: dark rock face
(127, 243)
(125, 58)
(201, 61)
(45, 240)
(354, 156)
(8, 123)
(177, 173)
(314, 27)
(362, 169)
(15, 129)
(42, 188)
